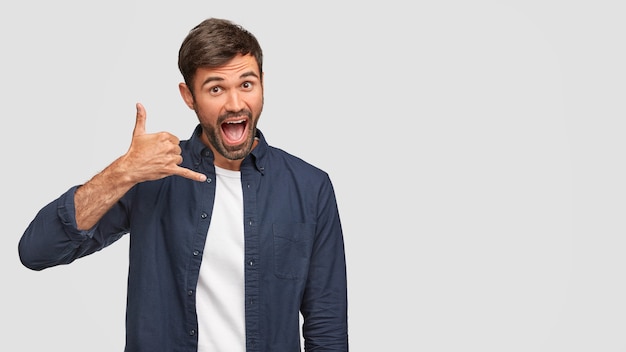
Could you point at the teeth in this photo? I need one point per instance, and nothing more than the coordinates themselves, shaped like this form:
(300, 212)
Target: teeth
(239, 121)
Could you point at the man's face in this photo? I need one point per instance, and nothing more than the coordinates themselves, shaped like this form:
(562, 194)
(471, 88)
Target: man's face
(228, 101)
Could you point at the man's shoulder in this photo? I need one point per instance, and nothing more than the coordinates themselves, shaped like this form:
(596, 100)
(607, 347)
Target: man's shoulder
(282, 158)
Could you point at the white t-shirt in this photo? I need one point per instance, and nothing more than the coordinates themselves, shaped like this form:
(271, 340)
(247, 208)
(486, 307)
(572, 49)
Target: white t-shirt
(220, 292)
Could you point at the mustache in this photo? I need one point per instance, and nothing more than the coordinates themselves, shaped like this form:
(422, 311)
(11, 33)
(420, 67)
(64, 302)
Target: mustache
(231, 114)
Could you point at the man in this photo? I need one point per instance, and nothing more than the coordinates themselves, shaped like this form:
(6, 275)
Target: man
(230, 238)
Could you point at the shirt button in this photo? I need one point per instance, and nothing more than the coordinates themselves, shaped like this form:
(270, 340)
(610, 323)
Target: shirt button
(192, 332)
(190, 292)
(195, 253)
(208, 180)
(204, 215)
(251, 262)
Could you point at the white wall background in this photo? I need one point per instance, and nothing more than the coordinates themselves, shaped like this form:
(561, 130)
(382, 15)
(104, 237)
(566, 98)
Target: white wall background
(476, 149)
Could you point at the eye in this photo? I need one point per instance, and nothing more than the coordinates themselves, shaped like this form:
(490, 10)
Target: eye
(246, 85)
(215, 89)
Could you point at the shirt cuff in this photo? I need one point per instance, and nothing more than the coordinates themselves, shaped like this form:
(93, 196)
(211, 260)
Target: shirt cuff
(67, 214)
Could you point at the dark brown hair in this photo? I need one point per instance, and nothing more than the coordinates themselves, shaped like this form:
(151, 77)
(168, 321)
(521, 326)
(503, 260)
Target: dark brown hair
(213, 43)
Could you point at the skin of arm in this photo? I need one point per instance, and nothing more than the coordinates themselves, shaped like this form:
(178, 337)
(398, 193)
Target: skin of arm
(151, 156)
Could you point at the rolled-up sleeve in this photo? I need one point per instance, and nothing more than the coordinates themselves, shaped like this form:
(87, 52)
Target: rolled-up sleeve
(52, 238)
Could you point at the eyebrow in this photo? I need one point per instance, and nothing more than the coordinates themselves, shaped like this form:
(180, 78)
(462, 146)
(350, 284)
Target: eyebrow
(214, 79)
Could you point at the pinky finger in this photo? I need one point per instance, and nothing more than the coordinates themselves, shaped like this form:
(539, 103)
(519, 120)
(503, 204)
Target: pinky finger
(192, 175)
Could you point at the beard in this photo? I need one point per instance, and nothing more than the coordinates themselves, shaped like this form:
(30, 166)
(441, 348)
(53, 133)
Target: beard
(232, 152)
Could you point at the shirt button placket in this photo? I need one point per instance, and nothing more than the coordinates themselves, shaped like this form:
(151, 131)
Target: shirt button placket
(190, 292)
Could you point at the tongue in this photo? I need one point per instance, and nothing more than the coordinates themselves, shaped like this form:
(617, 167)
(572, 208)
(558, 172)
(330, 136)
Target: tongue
(233, 131)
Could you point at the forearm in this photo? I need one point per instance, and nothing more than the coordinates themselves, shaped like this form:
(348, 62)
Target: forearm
(325, 307)
(93, 199)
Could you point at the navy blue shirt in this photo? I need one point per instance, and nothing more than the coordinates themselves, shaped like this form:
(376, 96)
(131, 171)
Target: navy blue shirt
(294, 252)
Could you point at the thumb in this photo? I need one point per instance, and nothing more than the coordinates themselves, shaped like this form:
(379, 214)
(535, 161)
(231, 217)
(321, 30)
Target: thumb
(140, 123)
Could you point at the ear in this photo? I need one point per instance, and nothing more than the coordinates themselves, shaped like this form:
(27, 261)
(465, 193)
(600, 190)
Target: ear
(186, 94)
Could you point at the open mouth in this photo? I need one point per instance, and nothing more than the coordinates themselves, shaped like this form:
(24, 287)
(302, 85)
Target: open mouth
(234, 131)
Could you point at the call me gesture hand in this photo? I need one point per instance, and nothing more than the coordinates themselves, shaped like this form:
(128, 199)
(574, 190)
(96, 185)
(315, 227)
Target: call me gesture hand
(156, 155)
(151, 156)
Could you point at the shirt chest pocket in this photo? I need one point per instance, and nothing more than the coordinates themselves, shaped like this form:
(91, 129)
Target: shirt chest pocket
(292, 249)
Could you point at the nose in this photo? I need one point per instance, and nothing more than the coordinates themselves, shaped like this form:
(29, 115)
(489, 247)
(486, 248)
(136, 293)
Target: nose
(234, 102)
